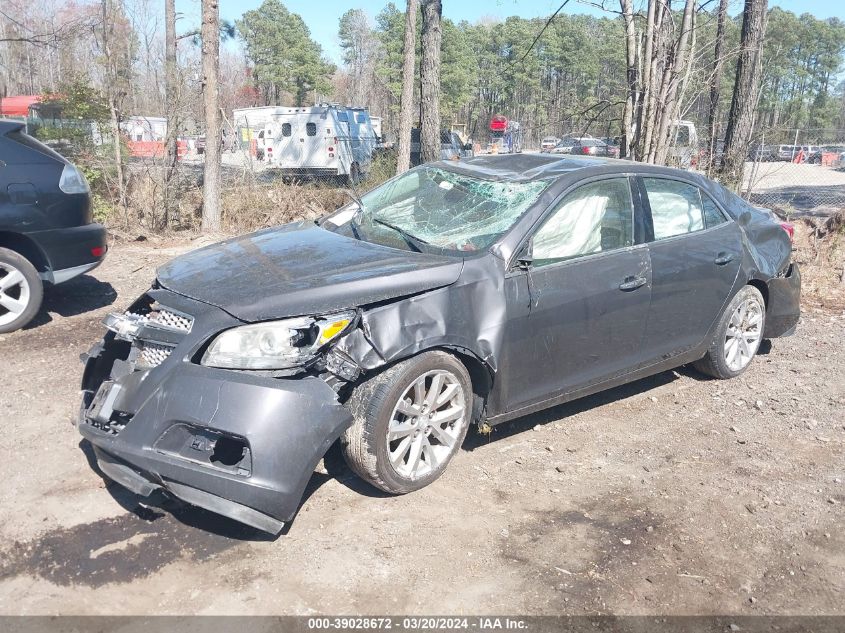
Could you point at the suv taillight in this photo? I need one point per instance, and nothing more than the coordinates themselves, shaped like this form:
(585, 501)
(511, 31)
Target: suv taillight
(789, 227)
(72, 180)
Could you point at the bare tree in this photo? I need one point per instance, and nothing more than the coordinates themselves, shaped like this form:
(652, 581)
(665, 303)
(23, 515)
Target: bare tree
(674, 65)
(432, 11)
(746, 92)
(658, 65)
(210, 33)
(407, 103)
(113, 93)
(715, 83)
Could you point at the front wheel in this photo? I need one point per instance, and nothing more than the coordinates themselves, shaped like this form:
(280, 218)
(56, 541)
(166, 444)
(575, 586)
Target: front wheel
(738, 336)
(21, 291)
(409, 421)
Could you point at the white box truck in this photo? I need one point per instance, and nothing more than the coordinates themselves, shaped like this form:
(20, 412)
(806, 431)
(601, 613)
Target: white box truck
(325, 140)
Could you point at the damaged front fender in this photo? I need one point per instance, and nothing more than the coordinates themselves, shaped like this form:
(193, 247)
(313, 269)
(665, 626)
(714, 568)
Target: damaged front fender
(469, 315)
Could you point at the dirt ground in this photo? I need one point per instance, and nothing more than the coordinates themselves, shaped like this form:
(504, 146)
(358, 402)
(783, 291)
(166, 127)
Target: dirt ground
(673, 495)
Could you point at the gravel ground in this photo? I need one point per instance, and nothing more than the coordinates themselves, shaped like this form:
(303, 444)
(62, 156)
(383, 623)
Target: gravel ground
(672, 495)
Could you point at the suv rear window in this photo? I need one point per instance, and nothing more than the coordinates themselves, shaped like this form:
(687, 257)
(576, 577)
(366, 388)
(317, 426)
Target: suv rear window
(9, 151)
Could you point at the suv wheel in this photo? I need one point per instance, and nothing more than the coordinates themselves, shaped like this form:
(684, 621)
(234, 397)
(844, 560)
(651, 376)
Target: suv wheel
(738, 336)
(21, 291)
(409, 421)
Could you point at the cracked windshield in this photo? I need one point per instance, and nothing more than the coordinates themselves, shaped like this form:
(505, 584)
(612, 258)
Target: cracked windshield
(432, 207)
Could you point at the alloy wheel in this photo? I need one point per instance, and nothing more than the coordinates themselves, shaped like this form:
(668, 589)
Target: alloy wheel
(426, 423)
(744, 333)
(14, 293)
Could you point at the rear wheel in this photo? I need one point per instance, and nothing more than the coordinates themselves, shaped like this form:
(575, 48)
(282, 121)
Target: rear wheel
(737, 337)
(21, 291)
(409, 422)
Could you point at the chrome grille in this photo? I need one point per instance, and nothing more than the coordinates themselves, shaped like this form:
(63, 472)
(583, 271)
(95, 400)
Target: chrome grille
(170, 319)
(152, 354)
(166, 318)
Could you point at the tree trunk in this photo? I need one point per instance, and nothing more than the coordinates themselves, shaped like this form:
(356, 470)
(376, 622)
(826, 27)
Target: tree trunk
(746, 92)
(171, 109)
(406, 107)
(114, 110)
(211, 105)
(654, 24)
(432, 11)
(715, 84)
(632, 77)
(676, 62)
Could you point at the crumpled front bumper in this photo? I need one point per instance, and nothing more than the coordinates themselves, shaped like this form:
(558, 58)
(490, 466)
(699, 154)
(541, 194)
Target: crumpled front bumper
(235, 443)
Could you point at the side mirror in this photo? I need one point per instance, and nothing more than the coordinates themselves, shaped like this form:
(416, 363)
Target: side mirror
(468, 147)
(526, 257)
(744, 218)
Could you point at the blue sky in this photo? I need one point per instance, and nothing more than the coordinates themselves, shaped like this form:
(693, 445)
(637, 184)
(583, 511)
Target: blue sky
(322, 16)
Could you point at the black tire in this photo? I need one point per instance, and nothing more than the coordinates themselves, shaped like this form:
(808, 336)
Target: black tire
(10, 260)
(365, 445)
(714, 362)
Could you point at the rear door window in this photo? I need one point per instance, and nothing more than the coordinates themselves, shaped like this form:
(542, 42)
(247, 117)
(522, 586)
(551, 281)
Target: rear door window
(713, 215)
(286, 131)
(311, 129)
(676, 207)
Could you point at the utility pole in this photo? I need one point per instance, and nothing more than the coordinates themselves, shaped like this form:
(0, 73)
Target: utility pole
(171, 101)
(210, 33)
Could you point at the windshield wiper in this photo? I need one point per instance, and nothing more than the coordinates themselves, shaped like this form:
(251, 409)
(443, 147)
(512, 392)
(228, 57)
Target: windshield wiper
(412, 240)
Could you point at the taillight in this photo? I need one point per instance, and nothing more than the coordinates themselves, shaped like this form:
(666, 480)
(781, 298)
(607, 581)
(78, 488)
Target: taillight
(789, 227)
(331, 149)
(98, 251)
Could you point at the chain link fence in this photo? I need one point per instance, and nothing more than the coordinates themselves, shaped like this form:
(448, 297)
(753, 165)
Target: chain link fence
(797, 172)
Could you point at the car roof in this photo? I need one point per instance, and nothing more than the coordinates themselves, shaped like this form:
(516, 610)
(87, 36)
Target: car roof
(529, 167)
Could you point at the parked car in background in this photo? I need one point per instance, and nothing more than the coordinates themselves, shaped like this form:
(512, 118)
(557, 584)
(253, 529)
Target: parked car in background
(548, 143)
(458, 293)
(786, 152)
(763, 153)
(47, 235)
(594, 147)
(816, 156)
(451, 147)
(566, 143)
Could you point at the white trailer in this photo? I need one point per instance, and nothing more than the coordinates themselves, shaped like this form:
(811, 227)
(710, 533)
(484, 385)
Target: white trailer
(321, 140)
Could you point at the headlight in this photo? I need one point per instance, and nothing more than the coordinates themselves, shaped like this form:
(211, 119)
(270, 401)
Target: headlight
(274, 344)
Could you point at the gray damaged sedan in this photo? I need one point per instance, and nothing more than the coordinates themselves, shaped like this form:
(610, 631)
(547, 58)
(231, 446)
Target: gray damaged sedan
(458, 293)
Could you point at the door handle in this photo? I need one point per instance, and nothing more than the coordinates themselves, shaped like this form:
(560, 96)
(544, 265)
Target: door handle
(723, 258)
(632, 283)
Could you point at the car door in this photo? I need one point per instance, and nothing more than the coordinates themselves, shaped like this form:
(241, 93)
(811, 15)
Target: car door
(695, 258)
(589, 284)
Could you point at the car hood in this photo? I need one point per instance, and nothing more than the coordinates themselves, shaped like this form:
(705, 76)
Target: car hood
(302, 269)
